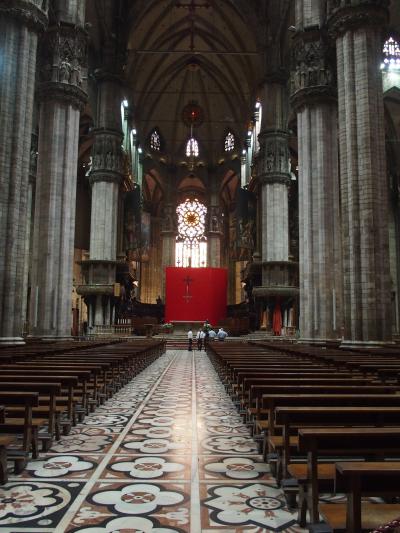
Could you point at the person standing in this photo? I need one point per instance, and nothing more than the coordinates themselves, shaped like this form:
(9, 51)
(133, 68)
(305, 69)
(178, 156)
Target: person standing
(190, 339)
(221, 334)
(199, 338)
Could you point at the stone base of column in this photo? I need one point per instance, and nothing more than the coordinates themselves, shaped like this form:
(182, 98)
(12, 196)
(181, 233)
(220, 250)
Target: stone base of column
(365, 344)
(11, 341)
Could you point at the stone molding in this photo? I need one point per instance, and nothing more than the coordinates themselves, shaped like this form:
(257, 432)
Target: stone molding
(366, 13)
(108, 157)
(31, 13)
(313, 78)
(62, 92)
(273, 161)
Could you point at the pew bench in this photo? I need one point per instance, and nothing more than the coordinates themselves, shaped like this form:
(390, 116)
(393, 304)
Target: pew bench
(315, 477)
(357, 480)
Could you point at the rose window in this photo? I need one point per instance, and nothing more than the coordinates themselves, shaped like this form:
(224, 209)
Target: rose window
(191, 245)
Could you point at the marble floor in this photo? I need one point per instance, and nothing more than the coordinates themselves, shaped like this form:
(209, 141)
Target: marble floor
(168, 453)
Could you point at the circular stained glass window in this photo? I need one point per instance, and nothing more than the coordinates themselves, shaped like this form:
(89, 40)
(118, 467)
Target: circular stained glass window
(191, 221)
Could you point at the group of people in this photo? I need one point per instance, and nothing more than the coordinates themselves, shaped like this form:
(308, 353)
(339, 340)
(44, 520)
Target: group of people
(204, 335)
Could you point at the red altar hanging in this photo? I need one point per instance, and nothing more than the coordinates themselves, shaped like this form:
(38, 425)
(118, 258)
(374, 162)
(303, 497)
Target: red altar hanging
(195, 294)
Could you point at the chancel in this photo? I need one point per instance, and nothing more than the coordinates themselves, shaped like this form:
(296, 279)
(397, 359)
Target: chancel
(226, 166)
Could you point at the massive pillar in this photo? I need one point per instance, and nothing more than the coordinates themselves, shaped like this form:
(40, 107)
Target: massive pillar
(20, 23)
(279, 275)
(214, 224)
(363, 181)
(105, 178)
(62, 96)
(168, 241)
(314, 99)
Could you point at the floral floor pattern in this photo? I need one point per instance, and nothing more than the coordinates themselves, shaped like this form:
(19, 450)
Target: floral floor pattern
(168, 453)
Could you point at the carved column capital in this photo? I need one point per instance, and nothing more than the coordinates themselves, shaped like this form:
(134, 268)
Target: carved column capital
(107, 159)
(168, 220)
(273, 161)
(63, 72)
(360, 14)
(313, 77)
(214, 221)
(32, 13)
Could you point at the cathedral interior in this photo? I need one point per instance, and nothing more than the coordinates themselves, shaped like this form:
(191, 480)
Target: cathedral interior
(273, 126)
(170, 168)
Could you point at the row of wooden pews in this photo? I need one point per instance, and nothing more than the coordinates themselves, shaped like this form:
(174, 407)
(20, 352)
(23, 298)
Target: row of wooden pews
(49, 389)
(312, 408)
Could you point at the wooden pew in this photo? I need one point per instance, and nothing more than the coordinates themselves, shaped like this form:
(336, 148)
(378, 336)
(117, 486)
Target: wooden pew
(338, 442)
(28, 400)
(293, 418)
(357, 479)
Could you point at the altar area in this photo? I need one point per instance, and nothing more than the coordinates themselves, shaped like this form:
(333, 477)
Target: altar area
(193, 295)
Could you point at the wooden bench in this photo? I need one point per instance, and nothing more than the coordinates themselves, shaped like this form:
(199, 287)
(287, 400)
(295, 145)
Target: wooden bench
(28, 400)
(340, 442)
(293, 418)
(363, 479)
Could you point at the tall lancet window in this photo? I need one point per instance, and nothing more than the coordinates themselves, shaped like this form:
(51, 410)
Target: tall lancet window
(191, 242)
(155, 141)
(391, 55)
(192, 148)
(229, 142)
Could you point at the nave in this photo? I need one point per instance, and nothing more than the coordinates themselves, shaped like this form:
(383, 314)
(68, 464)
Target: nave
(168, 453)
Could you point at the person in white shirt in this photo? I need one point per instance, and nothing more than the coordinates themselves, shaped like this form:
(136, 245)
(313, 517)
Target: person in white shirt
(190, 339)
(212, 334)
(200, 336)
(221, 334)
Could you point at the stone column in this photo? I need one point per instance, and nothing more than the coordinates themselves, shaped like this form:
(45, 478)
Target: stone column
(214, 223)
(105, 178)
(314, 99)
(20, 23)
(62, 96)
(279, 275)
(273, 170)
(214, 236)
(358, 29)
(168, 240)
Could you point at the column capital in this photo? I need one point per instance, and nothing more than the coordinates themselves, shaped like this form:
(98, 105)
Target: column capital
(32, 13)
(107, 156)
(214, 221)
(360, 14)
(63, 71)
(273, 161)
(313, 78)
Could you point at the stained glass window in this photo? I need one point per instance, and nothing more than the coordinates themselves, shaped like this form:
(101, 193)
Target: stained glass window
(229, 142)
(192, 148)
(155, 141)
(391, 55)
(191, 243)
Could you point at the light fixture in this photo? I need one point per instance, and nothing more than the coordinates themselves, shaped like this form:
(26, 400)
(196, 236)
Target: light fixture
(125, 103)
(134, 132)
(140, 151)
(258, 105)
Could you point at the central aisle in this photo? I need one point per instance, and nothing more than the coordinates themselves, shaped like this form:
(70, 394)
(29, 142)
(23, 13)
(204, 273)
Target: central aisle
(184, 462)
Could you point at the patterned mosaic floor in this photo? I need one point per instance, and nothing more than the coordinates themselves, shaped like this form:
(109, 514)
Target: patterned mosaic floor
(167, 454)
